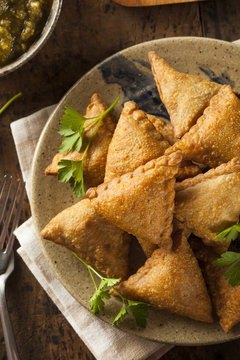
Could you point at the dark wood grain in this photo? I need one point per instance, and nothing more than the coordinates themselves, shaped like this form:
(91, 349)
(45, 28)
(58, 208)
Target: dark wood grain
(87, 32)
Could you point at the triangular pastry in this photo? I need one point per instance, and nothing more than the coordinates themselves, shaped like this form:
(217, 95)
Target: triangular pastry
(135, 141)
(141, 202)
(95, 160)
(214, 139)
(225, 297)
(185, 96)
(95, 240)
(171, 281)
(209, 203)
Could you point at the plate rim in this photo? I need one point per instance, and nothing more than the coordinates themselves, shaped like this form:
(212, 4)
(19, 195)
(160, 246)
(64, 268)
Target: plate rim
(33, 203)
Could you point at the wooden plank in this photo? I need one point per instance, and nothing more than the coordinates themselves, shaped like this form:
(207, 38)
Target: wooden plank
(220, 19)
(136, 3)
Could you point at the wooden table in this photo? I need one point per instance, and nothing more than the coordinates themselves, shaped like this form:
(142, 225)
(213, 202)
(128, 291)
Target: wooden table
(87, 32)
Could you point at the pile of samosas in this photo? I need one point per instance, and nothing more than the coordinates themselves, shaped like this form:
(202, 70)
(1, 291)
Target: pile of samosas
(152, 187)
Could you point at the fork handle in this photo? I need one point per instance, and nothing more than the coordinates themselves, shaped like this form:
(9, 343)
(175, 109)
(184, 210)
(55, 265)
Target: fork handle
(10, 343)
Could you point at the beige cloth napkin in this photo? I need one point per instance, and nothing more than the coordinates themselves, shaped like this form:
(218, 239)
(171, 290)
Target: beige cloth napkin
(104, 341)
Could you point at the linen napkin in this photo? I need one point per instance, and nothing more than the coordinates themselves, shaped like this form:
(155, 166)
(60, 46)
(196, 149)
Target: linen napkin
(104, 341)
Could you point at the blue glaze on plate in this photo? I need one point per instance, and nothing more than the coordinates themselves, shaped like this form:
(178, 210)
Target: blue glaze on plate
(221, 79)
(137, 83)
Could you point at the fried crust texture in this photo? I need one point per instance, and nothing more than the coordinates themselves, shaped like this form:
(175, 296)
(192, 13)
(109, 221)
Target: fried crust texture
(185, 96)
(101, 244)
(214, 139)
(135, 141)
(225, 297)
(141, 202)
(171, 281)
(209, 203)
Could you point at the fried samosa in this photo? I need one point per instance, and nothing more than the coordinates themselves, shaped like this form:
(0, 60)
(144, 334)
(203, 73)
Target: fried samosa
(214, 139)
(95, 159)
(101, 244)
(135, 141)
(185, 96)
(171, 281)
(225, 297)
(141, 202)
(209, 203)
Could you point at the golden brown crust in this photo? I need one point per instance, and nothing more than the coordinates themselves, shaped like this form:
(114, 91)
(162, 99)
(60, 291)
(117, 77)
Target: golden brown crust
(214, 139)
(226, 298)
(95, 159)
(135, 141)
(185, 96)
(141, 202)
(187, 170)
(164, 127)
(95, 240)
(223, 169)
(208, 203)
(172, 281)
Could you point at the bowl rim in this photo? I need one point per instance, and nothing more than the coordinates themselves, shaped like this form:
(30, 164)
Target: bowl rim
(37, 45)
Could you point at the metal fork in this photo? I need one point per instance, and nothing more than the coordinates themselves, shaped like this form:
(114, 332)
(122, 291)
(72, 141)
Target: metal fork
(8, 223)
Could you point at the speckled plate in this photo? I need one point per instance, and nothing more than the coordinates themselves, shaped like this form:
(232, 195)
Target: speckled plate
(127, 74)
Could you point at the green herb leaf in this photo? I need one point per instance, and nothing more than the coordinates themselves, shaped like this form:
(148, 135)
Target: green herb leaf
(121, 315)
(139, 311)
(72, 172)
(230, 233)
(72, 129)
(226, 258)
(66, 171)
(96, 301)
(111, 282)
(233, 273)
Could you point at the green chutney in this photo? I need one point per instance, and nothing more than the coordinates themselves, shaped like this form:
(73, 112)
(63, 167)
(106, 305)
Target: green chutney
(21, 23)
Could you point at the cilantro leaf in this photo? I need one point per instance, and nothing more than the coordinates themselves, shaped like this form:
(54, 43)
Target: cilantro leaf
(96, 301)
(66, 171)
(68, 142)
(230, 233)
(139, 311)
(71, 119)
(72, 128)
(72, 172)
(121, 315)
(226, 258)
(233, 273)
(111, 282)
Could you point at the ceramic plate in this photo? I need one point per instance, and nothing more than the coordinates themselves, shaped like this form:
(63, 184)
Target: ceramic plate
(127, 74)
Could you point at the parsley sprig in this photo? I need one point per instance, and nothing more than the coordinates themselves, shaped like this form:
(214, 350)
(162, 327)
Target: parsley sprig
(73, 128)
(231, 258)
(230, 233)
(138, 309)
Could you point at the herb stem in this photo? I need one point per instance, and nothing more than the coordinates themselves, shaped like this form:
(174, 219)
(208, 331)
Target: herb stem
(90, 269)
(119, 294)
(9, 102)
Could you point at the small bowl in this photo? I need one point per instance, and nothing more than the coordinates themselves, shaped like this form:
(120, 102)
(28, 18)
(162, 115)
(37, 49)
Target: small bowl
(36, 46)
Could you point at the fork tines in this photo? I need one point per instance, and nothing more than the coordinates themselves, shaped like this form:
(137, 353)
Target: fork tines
(9, 194)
